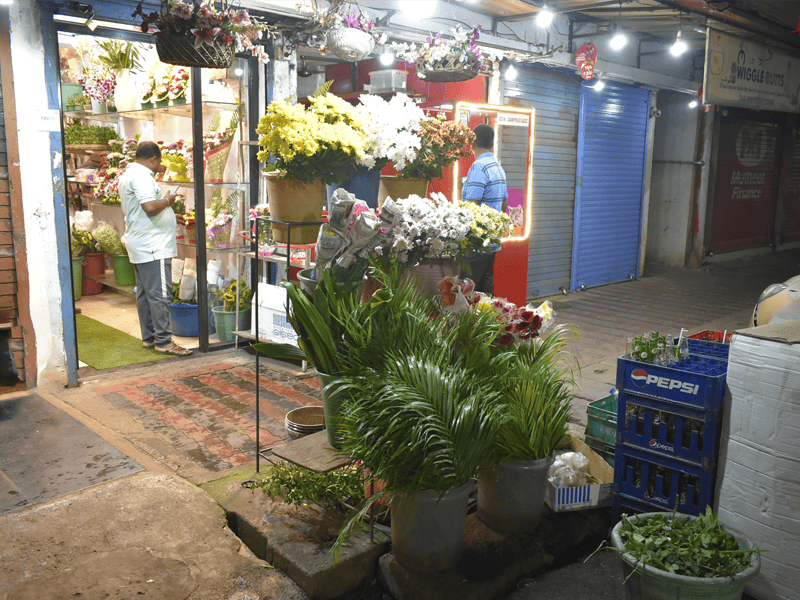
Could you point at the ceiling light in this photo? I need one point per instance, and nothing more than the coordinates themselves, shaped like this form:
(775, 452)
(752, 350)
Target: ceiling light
(420, 9)
(693, 104)
(238, 71)
(511, 72)
(679, 47)
(6, 2)
(599, 85)
(387, 58)
(544, 17)
(618, 41)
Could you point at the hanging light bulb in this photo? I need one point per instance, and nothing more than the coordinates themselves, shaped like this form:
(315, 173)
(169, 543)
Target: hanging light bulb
(679, 47)
(618, 41)
(421, 9)
(511, 72)
(387, 58)
(544, 17)
(599, 85)
(693, 104)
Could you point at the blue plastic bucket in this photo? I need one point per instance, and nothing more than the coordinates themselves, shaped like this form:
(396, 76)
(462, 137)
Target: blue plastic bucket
(183, 318)
(363, 183)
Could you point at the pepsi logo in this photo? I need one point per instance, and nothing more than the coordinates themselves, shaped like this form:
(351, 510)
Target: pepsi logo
(639, 376)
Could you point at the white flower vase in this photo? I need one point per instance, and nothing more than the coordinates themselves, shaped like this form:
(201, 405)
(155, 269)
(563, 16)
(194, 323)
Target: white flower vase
(125, 92)
(99, 108)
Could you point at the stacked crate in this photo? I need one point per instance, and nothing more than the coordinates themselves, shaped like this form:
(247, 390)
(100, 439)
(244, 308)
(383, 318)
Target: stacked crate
(668, 426)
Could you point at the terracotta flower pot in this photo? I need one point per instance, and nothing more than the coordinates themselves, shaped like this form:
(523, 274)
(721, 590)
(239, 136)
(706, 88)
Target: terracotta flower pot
(294, 203)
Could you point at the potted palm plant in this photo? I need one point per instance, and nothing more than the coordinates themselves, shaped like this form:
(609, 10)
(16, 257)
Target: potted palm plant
(537, 392)
(121, 58)
(421, 407)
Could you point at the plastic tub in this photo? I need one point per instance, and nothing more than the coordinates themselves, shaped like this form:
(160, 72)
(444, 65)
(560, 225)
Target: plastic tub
(183, 318)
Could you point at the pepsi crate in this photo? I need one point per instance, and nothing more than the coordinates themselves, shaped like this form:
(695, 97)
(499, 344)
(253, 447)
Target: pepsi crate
(659, 480)
(697, 382)
(709, 349)
(601, 420)
(621, 505)
(669, 429)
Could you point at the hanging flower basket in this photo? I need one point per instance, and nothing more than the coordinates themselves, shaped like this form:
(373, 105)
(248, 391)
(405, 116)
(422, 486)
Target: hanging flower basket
(449, 70)
(349, 43)
(216, 160)
(179, 50)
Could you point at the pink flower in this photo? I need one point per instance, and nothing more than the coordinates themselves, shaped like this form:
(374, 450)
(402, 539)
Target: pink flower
(204, 36)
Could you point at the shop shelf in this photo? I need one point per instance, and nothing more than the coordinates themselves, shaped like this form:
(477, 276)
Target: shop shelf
(601, 420)
(658, 481)
(696, 382)
(678, 432)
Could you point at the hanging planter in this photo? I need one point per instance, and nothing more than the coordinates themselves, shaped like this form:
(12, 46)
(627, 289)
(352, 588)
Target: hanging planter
(349, 43)
(449, 70)
(180, 50)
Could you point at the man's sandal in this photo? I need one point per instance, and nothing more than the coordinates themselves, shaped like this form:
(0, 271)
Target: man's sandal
(174, 350)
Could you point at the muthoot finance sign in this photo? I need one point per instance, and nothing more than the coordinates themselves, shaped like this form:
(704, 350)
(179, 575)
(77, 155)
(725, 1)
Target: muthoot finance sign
(742, 73)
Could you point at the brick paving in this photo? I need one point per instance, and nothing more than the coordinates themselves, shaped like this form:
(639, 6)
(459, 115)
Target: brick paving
(209, 414)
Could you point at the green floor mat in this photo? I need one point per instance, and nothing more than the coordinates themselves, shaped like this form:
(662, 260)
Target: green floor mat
(104, 347)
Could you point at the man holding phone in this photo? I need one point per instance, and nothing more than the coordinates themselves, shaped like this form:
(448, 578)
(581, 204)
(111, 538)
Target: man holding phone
(150, 237)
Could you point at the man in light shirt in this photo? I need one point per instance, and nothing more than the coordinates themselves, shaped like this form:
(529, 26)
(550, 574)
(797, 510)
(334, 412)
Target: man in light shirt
(150, 237)
(486, 184)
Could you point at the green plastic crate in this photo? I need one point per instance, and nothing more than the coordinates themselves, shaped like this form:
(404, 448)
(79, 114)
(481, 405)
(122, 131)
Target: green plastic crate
(605, 450)
(601, 420)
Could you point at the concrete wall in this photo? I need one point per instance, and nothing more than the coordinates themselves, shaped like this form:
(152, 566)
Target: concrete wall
(36, 183)
(672, 187)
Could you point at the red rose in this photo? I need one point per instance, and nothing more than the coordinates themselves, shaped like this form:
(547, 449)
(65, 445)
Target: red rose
(526, 314)
(537, 322)
(505, 339)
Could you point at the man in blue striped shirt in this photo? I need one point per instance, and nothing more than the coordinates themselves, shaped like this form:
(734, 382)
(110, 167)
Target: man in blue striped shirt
(486, 184)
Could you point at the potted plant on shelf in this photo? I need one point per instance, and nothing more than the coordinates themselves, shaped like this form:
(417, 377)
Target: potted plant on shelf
(147, 90)
(391, 135)
(187, 220)
(78, 101)
(236, 297)
(352, 35)
(108, 241)
(304, 148)
(681, 556)
(121, 58)
(199, 35)
(443, 60)
(99, 85)
(85, 245)
(161, 90)
(179, 86)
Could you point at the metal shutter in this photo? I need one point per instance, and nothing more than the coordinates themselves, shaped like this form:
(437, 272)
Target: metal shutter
(609, 189)
(556, 98)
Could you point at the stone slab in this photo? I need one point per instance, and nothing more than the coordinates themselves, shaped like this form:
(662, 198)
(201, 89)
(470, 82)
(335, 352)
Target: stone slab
(492, 562)
(298, 540)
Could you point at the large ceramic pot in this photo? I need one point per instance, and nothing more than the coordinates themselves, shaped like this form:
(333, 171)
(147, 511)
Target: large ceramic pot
(649, 582)
(429, 274)
(400, 187)
(511, 494)
(294, 203)
(363, 183)
(428, 532)
(94, 265)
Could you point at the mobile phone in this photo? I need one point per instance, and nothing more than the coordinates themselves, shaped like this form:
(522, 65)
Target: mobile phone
(175, 190)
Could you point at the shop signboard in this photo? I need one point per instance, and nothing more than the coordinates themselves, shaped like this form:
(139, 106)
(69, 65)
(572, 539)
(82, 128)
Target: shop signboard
(750, 75)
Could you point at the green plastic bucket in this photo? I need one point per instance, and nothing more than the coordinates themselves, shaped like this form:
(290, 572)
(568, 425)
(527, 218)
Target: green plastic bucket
(225, 322)
(648, 583)
(77, 277)
(124, 272)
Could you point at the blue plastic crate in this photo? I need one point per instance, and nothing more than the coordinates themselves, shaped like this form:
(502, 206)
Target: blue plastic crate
(709, 349)
(622, 505)
(697, 382)
(658, 480)
(679, 432)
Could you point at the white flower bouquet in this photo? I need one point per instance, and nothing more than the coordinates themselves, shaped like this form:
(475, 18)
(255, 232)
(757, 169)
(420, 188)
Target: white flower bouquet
(391, 131)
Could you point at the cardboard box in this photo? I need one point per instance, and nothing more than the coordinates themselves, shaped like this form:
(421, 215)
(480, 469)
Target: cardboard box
(272, 323)
(759, 460)
(576, 497)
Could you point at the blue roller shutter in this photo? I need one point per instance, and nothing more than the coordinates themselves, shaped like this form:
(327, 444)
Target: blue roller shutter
(612, 144)
(556, 97)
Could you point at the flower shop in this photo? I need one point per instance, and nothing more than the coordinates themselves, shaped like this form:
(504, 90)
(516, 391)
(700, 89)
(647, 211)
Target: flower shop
(401, 140)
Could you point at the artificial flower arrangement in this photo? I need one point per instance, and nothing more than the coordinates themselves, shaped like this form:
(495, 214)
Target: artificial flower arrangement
(226, 297)
(391, 130)
(147, 89)
(443, 142)
(83, 242)
(461, 51)
(179, 84)
(215, 139)
(488, 227)
(99, 84)
(206, 25)
(161, 89)
(123, 152)
(219, 218)
(357, 20)
(521, 324)
(177, 158)
(318, 142)
(108, 240)
(264, 228)
(187, 219)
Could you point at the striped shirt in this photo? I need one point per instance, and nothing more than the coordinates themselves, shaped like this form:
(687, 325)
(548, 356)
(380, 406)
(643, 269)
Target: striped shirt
(486, 182)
